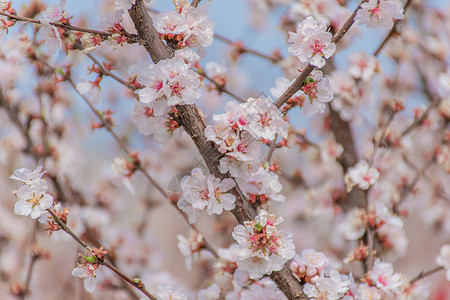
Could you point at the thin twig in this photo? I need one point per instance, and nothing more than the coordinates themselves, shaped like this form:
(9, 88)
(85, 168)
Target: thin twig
(221, 88)
(66, 229)
(109, 73)
(426, 274)
(381, 138)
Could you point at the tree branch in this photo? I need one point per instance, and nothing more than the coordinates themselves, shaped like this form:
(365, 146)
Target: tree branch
(194, 126)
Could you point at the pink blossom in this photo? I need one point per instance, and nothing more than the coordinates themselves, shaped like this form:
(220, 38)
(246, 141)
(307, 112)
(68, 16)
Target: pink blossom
(312, 43)
(361, 175)
(379, 13)
(264, 247)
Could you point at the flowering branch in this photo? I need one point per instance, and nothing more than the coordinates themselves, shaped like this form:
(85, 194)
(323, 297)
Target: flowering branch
(298, 83)
(135, 282)
(194, 126)
(132, 38)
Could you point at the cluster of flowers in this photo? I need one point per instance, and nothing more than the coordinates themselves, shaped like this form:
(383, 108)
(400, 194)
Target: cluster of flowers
(361, 175)
(388, 227)
(167, 83)
(321, 279)
(237, 132)
(353, 87)
(311, 43)
(376, 13)
(185, 27)
(32, 195)
(263, 247)
(314, 269)
(201, 192)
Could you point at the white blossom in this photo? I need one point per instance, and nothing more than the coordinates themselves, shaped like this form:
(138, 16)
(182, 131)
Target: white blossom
(167, 83)
(311, 42)
(361, 175)
(200, 192)
(376, 13)
(443, 259)
(88, 273)
(264, 247)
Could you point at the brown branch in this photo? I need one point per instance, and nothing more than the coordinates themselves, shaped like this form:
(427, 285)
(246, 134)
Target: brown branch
(194, 126)
(195, 3)
(425, 274)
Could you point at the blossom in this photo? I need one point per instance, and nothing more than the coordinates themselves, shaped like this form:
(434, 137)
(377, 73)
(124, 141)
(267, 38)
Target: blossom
(333, 287)
(361, 175)
(191, 247)
(32, 195)
(49, 32)
(200, 192)
(444, 84)
(91, 90)
(262, 186)
(368, 292)
(124, 4)
(53, 13)
(363, 66)
(352, 226)
(263, 290)
(330, 151)
(347, 95)
(376, 13)
(264, 247)
(4, 4)
(87, 271)
(32, 200)
(186, 27)
(169, 82)
(166, 292)
(211, 293)
(443, 259)
(311, 42)
(318, 90)
(27, 176)
(309, 264)
(163, 128)
(265, 119)
(122, 169)
(90, 42)
(383, 277)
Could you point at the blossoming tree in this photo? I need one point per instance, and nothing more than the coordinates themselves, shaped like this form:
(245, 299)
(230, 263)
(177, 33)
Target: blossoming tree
(354, 203)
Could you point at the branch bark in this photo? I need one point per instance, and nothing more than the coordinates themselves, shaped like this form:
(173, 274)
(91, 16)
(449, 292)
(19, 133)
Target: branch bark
(194, 126)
